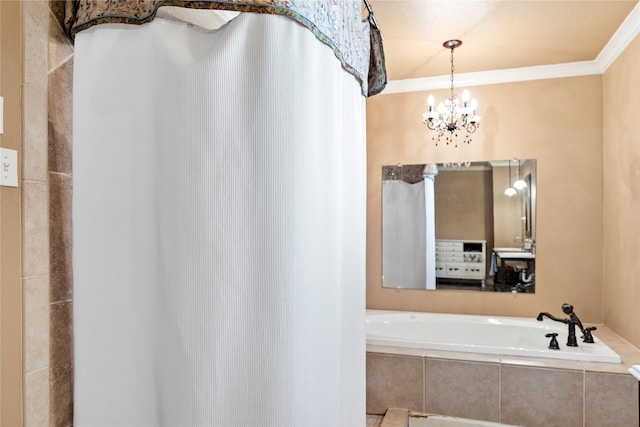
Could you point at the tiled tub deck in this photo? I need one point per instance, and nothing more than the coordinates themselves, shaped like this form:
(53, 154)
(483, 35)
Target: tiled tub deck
(513, 390)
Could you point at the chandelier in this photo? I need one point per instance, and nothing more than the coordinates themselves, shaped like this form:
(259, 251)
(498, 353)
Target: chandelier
(451, 117)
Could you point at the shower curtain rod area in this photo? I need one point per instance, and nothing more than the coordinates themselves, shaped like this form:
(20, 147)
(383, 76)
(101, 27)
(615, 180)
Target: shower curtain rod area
(357, 44)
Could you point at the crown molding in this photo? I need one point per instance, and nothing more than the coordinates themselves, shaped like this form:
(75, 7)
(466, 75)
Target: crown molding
(628, 31)
(481, 78)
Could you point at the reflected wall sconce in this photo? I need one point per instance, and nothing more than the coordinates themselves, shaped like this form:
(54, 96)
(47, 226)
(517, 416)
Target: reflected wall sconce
(519, 184)
(510, 191)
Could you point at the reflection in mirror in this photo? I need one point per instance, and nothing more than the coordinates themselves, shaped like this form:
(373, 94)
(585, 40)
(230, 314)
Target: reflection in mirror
(460, 226)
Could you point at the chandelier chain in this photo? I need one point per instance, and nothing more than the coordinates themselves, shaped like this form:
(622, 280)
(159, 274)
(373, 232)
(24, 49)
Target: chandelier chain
(453, 68)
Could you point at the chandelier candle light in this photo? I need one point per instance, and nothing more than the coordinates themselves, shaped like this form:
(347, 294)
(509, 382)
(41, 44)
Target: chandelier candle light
(452, 117)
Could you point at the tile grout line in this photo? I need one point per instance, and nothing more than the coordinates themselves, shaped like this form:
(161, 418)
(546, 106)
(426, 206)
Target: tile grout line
(500, 392)
(36, 276)
(67, 174)
(61, 64)
(68, 42)
(35, 371)
(584, 397)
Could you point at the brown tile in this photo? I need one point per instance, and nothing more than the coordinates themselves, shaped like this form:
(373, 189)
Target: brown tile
(35, 140)
(462, 389)
(611, 400)
(61, 365)
(541, 397)
(35, 229)
(394, 382)
(539, 362)
(403, 351)
(466, 356)
(60, 118)
(374, 420)
(36, 323)
(629, 354)
(609, 368)
(60, 236)
(395, 417)
(60, 47)
(58, 10)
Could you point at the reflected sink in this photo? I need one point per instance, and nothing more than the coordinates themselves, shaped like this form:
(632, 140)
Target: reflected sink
(516, 255)
(507, 249)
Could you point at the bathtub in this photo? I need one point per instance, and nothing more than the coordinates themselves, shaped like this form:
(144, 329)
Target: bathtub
(510, 336)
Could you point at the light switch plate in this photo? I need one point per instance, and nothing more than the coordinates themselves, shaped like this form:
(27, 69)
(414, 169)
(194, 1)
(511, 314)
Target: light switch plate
(8, 167)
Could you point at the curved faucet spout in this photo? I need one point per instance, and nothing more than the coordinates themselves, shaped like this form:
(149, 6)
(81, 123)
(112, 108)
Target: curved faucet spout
(571, 339)
(552, 317)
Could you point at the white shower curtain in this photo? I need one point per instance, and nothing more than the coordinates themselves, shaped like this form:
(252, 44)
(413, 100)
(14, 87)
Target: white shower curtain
(219, 227)
(404, 234)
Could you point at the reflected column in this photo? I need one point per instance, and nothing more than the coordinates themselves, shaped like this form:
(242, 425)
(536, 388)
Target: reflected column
(429, 175)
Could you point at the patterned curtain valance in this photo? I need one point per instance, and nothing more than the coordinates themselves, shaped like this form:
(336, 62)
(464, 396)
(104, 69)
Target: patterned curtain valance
(337, 23)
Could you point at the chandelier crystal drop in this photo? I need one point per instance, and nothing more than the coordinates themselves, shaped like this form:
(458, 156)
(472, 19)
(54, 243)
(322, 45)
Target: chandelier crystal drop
(451, 117)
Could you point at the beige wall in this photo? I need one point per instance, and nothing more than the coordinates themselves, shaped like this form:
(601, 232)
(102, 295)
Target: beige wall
(10, 222)
(621, 200)
(464, 204)
(559, 123)
(507, 228)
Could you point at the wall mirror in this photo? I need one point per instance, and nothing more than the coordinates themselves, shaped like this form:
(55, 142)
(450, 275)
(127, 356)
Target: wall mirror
(460, 226)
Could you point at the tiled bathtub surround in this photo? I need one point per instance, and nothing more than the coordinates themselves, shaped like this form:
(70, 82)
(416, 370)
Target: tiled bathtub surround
(35, 218)
(46, 199)
(511, 390)
(60, 81)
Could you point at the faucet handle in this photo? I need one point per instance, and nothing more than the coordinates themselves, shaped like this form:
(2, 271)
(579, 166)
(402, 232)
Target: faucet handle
(553, 345)
(587, 337)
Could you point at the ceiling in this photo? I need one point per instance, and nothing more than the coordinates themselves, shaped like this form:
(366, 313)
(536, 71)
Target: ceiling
(495, 34)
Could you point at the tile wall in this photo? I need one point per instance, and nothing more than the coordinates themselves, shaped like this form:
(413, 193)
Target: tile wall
(498, 389)
(35, 218)
(46, 225)
(60, 83)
